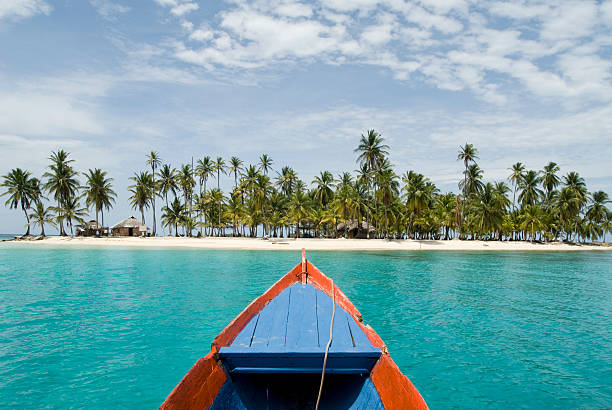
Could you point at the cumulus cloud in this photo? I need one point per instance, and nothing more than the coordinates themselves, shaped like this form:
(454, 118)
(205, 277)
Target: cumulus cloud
(108, 9)
(17, 9)
(452, 45)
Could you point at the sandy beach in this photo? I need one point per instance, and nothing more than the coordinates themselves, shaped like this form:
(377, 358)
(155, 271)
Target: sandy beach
(311, 244)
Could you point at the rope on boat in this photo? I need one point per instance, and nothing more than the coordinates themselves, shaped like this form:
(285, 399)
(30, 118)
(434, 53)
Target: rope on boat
(331, 328)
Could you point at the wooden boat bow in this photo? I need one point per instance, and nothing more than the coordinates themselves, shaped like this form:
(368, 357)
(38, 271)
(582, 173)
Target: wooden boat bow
(256, 342)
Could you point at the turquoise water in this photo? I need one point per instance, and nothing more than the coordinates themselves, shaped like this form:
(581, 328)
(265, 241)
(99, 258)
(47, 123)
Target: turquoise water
(104, 328)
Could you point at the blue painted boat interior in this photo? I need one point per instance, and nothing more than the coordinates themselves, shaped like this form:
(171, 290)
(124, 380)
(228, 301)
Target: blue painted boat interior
(297, 391)
(290, 333)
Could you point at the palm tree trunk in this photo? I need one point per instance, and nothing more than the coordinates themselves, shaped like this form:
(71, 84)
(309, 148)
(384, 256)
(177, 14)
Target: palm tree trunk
(27, 219)
(61, 222)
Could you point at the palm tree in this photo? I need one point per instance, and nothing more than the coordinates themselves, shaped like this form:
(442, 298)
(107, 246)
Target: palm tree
(70, 210)
(42, 216)
(388, 189)
(236, 168)
(468, 153)
(61, 181)
(167, 183)
(567, 207)
(22, 191)
(550, 180)
(286, 180)
(218, 167)
(173, 214)
(597, 210)
(472, 182)
(215, 198)
(323, 192)
(235, 210)
(532, 220)
(142, 192)
(265, 163)
(606, 225)
(204, 169)
(487, 210)
(530, 193)
(417, 196)
(98, 191)
(576, 185)
(372, 152)
(154, 161)
(516, 178)
(187, 183)
(300, 208)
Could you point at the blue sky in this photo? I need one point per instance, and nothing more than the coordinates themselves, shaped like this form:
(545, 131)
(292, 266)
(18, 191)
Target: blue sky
(111, 80)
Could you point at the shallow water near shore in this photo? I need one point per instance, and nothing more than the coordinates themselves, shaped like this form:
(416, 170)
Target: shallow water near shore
(114, 327)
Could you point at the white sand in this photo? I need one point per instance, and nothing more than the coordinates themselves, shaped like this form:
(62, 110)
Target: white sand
(309, 244)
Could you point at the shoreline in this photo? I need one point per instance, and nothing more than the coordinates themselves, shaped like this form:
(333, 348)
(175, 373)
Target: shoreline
(339, 244)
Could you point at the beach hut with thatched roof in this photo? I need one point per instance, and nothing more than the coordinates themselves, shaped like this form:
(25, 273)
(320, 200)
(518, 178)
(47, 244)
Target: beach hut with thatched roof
(356, 230)
(129, 227)
(91, 228)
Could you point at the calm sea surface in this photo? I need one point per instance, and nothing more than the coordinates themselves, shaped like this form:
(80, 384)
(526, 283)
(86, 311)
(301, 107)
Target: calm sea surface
(104, 328)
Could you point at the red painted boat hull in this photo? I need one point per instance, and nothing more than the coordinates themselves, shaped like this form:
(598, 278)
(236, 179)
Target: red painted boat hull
(202, 383)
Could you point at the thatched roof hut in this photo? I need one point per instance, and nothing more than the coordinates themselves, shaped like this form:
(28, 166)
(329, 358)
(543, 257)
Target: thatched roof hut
(91, 228)
(129, 227)
(354, 229)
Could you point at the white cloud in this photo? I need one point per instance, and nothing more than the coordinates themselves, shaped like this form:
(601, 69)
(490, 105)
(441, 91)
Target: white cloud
(23, 8)
(185, 8)
(109, 9)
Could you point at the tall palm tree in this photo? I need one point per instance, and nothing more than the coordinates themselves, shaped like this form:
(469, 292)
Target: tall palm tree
(142, 192)
(472, 183)
(174, 214)
(300, 208)
(606, 225)
(216, 200)
(203, 169)
(70, 211)
(235, 168)
(41, 216)
(467, 153)
(235, 210)
(344, 204)
(530, 193)
(21, 191)
(517, 173)
(219, 167)
(323, 191)
(550, 180)
(597, 210)
(488, 212)
(576, 185)
(372, 152)
(265, 163)
(167, 183)
(98, 191)
(567, 207)
(61, 181)
(287, 180)
(187, 184)
(417, 196)
(154, 160)
(532, 220)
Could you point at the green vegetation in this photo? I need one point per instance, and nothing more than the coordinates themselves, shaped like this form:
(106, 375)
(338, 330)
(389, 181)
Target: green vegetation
(372, 202)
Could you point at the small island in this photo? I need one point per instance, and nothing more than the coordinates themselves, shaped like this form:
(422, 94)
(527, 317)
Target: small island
(372, 208)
